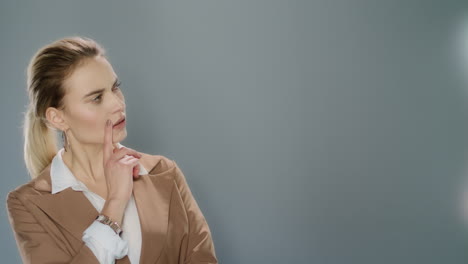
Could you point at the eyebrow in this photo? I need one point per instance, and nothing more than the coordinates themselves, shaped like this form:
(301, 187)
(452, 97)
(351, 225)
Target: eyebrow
(100, 90)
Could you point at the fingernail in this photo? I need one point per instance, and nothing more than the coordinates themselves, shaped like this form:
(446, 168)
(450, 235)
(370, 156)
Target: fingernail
(108, 122)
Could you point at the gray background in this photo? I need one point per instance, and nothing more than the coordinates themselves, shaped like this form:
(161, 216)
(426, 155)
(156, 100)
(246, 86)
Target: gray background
(309, 131)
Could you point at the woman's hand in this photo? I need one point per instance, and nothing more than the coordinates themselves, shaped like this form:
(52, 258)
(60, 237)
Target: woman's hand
(120, 167)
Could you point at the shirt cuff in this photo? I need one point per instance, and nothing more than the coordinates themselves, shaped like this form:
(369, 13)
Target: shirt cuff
(103, 235)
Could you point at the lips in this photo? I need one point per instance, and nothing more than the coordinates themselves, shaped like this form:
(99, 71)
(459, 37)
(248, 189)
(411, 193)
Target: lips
(119, 121)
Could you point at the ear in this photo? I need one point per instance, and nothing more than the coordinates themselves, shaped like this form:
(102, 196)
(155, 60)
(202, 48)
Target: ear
(55, 118)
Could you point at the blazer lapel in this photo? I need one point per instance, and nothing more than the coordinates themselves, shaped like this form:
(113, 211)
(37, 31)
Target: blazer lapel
(152, 194)
(74, 212)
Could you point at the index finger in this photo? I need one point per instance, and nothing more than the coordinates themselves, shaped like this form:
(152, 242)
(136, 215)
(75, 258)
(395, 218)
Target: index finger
(108, 138)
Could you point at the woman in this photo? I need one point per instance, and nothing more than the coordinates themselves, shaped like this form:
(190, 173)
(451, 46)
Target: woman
(95, 200)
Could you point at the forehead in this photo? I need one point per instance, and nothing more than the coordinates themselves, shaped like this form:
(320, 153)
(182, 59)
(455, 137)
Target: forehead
(96, 73)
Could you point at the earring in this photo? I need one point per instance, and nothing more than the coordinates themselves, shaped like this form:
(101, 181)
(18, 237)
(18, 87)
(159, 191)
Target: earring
(66, 143)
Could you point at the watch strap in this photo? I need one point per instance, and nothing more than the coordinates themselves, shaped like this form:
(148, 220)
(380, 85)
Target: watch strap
(107, 221)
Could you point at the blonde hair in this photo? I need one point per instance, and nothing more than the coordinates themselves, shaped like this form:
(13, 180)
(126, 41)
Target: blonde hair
(50, 66)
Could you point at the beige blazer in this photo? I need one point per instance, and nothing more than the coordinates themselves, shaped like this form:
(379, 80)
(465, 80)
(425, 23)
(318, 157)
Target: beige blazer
(48, 228)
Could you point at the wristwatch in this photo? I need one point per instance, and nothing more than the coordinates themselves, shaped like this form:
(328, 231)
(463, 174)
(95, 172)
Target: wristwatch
(106, 220)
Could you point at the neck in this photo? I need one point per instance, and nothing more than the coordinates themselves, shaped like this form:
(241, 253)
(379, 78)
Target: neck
(86, 162)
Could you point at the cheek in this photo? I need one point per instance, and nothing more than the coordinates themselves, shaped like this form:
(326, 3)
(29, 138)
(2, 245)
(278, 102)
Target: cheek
(88, 121)
(93, 120)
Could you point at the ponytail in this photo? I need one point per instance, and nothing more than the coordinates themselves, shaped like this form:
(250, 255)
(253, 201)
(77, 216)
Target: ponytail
(40, 145)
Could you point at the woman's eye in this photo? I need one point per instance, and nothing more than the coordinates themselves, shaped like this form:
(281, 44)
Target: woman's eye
(97, 98)
(116, 88)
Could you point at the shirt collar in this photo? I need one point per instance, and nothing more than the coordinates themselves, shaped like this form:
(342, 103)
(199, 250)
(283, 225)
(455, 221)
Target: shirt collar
(62, 177)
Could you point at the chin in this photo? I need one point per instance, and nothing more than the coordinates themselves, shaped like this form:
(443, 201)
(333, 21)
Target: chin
(120, 135)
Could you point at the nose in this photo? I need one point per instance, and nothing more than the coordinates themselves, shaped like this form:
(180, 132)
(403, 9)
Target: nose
(118, 104)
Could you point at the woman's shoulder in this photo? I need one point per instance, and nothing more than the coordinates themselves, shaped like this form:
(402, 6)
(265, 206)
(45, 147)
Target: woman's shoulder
(20, 191)
(156, 163)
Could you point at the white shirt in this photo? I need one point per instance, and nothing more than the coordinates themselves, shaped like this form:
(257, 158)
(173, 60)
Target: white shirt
(100, 238)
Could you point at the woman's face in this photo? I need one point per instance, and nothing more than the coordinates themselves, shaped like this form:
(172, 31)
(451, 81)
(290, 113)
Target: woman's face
(93, 96)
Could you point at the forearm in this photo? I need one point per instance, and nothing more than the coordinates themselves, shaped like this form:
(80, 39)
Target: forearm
(114, 209)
